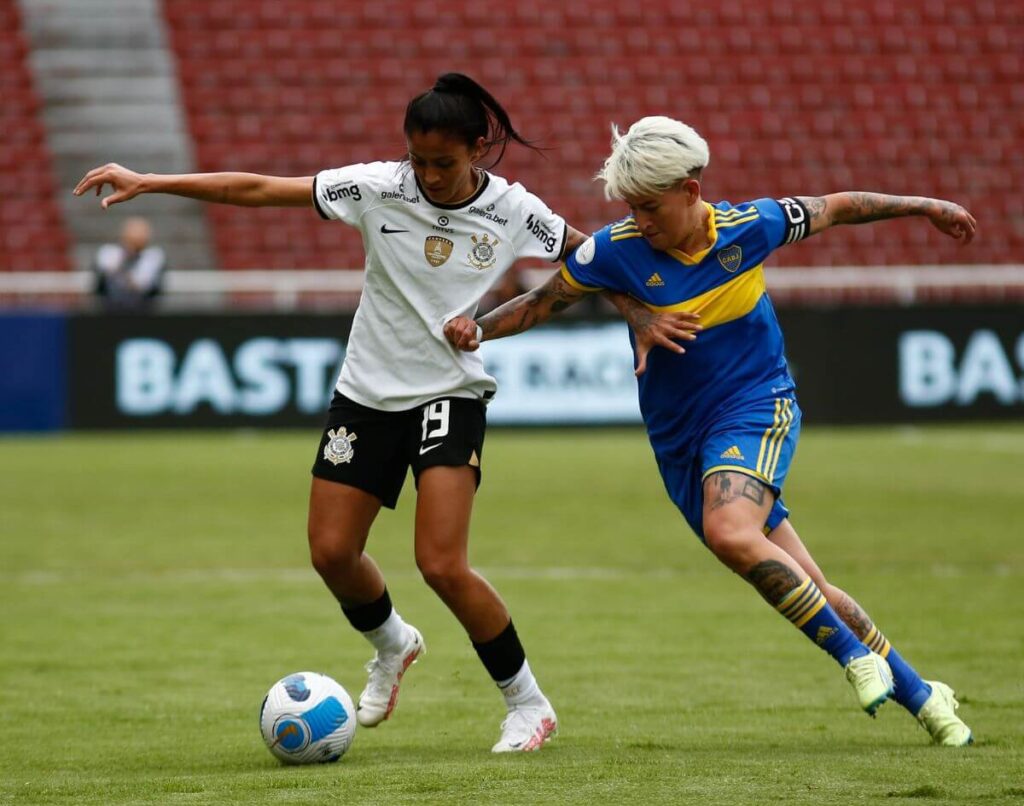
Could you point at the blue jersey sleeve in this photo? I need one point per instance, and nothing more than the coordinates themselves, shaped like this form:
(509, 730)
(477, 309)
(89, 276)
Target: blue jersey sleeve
(589, 267)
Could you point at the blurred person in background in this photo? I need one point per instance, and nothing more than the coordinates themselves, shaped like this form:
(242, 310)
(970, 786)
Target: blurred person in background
(723, 419)
(129, 273)
(438, 231)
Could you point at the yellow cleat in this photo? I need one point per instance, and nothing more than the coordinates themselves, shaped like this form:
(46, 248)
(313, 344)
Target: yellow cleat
(871, 678)
(938, 717)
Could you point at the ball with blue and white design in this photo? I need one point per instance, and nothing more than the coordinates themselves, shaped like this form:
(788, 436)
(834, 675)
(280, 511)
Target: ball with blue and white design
(307, 718)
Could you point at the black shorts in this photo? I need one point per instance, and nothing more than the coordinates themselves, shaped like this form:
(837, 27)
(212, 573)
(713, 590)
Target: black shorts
(373, 450)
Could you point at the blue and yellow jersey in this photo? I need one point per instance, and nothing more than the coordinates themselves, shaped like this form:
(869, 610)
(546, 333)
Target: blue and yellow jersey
(738, 358)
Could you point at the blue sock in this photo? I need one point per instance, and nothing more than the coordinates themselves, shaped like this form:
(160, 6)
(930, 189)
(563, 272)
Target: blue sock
(807, 608)
(911, 691)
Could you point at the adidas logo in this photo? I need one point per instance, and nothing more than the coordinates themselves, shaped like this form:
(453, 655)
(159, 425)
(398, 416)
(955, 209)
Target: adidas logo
(732, 453)
(824, 633)
(654, 280)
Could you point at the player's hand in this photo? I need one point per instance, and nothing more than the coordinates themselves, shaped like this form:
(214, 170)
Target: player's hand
(463, 333)
(953, 220)
(125, 183)
(663, 330)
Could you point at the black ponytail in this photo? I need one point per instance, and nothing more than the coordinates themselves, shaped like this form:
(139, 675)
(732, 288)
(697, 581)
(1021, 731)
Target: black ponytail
(459, 106)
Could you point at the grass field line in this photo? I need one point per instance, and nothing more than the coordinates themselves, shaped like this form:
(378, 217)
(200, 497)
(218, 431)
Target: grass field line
(41, 577)
(984, 441)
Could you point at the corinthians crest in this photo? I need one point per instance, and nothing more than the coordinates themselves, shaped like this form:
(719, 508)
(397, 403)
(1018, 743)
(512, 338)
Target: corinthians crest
(338, 449)
(481, 256)
(437, 250)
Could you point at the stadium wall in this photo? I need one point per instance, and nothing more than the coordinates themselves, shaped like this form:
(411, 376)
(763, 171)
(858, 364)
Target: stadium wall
(852, 365)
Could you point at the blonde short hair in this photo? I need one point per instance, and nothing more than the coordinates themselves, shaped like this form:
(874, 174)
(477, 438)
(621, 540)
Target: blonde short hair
(651, 157)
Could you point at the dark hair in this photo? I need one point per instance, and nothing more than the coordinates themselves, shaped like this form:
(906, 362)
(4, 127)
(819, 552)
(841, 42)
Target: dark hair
(459, 106)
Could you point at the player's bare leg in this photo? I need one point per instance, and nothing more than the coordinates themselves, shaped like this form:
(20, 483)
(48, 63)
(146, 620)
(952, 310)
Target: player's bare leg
(340, 518)
(933, 703)
(736, 506)
(443, 508)
(444, 505)
(339, 524)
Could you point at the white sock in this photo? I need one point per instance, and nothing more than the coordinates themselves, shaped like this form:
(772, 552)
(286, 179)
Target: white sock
(389, 636)
(522, 688)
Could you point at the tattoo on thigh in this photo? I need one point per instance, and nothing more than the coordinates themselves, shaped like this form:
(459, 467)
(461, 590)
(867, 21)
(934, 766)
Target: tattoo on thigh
(754, 490)
(853, 616)
(773, 580)
(722, 489)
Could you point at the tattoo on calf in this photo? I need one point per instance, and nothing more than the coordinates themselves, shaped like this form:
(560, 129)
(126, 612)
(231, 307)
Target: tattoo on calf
(853, 616)
(773, 580)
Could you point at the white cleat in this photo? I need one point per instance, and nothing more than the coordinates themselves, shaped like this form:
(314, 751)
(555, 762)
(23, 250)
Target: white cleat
(380, 696)
(871, 678)
(526, 728)
(938, 717)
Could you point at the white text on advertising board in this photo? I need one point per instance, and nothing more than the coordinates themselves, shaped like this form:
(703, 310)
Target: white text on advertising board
(931, 373)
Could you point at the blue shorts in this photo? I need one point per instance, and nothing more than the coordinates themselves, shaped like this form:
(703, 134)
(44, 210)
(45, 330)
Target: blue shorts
(759, 441)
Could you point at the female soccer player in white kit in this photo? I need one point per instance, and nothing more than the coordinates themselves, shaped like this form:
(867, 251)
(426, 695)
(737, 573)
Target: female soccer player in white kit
(438, 232)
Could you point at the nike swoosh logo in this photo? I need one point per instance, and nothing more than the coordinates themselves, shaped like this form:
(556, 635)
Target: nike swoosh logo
(425, 448)
(384, 229)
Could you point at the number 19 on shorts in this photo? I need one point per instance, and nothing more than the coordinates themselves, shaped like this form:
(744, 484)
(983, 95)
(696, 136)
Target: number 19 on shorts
(436, 419)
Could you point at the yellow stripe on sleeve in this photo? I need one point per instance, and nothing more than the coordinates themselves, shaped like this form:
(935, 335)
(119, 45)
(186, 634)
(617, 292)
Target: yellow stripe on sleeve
(735, 212)
(735, 222)
(576, 283)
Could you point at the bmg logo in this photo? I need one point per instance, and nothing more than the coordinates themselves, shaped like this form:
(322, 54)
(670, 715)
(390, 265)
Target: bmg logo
(339, 192)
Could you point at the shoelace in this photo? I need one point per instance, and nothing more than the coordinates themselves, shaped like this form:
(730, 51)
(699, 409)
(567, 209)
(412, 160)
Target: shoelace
(379, 672)
(863, 672)
(516, 715)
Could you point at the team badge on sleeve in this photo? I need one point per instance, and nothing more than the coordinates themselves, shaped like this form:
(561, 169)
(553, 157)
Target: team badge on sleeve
(338, 449)
(482, 254)
(586, 252)
(437, 250)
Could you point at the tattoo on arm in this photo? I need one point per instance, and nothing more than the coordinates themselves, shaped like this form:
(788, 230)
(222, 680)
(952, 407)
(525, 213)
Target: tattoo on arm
(818, 211)
(529, 309)
(773, 580)
(573, 239)
(857, 207)
(637, 315)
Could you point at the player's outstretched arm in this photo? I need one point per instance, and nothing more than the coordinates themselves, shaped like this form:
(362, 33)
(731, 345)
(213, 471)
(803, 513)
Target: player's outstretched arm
(653, 329)
(515, 316)
(856, 207)
(244, 189)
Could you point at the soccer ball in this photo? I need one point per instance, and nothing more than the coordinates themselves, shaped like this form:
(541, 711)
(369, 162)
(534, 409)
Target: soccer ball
(307, 718)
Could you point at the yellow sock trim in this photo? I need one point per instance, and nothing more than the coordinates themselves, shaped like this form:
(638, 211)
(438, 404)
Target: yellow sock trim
(802, 604)
(877, 642)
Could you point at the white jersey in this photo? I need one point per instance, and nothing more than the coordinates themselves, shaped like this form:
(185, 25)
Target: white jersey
(426, 263)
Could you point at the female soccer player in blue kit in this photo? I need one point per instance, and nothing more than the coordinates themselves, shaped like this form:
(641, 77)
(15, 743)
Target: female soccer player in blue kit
(722, 418)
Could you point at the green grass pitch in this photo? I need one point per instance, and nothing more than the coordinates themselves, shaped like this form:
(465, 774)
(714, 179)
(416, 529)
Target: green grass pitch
(155, 585)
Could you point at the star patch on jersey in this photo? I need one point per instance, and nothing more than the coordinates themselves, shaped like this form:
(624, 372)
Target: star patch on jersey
(730, 258)
(437, 250)
(338, 449)
(482, 256)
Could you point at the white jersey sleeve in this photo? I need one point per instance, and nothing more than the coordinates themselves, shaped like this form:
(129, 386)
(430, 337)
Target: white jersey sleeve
(539, 232)
(345, 194)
